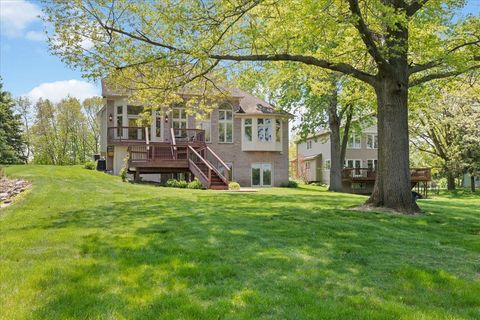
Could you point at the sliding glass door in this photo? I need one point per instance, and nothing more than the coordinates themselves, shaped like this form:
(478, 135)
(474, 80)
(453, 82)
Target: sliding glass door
(261, 175)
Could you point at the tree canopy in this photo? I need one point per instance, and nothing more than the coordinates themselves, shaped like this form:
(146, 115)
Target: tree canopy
(152, 48)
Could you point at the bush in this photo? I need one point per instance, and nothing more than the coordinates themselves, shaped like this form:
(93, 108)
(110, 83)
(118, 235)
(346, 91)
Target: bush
(123, 174)
(233, 186)
(195, 184)
(90, 165)
(291, 184)
(172, 183)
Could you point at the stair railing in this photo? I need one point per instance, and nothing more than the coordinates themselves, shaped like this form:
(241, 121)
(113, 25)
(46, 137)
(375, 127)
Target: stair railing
(174, 144)
(220, 162)
(206, 179)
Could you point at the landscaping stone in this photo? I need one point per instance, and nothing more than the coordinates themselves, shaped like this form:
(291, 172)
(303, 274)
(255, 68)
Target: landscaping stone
(9, 188)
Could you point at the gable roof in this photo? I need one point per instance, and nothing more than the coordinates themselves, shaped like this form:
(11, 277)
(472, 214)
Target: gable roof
(248, 103)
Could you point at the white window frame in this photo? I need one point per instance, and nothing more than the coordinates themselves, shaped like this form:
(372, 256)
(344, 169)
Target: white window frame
(328, 164)
(372, 136)
(225, 109)
(261, 164)
(264, 128)
(158, 117)
(181, 111)
(309, 144)
(374, 166)
(353, 143)
(245, 125)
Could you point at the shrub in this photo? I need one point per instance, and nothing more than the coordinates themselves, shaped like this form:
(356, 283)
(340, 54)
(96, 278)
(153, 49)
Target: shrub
(90, 165)
(123, 174)
(195, 184)
(291, 184)
(172, 183)
(233, 186)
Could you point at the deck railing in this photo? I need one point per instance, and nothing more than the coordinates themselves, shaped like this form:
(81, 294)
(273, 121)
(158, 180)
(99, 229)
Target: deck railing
(416, 174)
(126, 134)
(187, 135)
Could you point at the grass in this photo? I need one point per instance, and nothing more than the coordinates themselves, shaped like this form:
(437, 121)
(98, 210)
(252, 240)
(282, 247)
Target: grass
(83, 245)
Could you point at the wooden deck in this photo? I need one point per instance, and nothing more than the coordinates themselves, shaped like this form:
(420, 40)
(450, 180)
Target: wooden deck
(185, 152)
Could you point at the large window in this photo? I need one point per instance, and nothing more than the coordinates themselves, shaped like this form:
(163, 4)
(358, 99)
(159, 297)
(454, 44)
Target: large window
(179, 118)
(264, 129)
(134, 131)
(261, 174)
(248, 129)
(206, 124)
(225, 124)
(372, 141)
(352, 163)
(354, 141)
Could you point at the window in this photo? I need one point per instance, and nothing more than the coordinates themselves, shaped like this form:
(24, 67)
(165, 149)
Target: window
(261, 174)
(354, 141)
(134, 110)
(278, 130)
(206, 124)
(158, 126)
(307, 165)
(119, 121)
(247, 128)
(225, 124)
(264, 129)
(352, 163)
(179, 118)
(309, 144)
(372, 164)
(328, 164)
(372, 141)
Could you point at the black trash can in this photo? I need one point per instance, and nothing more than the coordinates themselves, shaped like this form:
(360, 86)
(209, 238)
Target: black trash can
(101, 165)
(96, 157)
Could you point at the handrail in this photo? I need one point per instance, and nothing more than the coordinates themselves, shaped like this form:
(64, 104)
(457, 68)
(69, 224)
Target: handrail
(174, 144)
(193, 164)
(201, 158)
(218, 158)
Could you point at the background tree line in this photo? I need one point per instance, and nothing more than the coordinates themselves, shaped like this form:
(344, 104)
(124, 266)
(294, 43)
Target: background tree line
(44, 132)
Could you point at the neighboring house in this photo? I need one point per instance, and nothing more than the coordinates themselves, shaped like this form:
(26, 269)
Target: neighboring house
(313, 158)
(466, 181)
(244, 140)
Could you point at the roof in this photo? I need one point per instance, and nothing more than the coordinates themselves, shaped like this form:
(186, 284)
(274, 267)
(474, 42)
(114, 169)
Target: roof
(248, 103)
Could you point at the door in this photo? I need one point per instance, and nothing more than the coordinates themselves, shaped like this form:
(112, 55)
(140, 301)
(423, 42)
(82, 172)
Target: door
(261, 175)
(157, 127)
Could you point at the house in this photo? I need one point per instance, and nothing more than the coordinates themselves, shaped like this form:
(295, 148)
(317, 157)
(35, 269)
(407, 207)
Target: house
(313, 162)
(244, 140)
(313, 159)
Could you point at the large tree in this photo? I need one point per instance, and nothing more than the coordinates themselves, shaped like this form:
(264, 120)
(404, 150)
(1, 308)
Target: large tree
(11, 139)
(391, 45)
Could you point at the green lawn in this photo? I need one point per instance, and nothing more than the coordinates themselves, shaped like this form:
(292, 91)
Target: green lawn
(83, 245)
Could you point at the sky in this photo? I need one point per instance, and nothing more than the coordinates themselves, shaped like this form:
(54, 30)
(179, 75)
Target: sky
(28, 69)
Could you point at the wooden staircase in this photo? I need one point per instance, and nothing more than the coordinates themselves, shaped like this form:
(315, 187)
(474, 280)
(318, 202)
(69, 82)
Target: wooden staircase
(189, 155)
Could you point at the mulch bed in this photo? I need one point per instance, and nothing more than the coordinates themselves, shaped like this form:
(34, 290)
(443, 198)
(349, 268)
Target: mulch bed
(9, 188)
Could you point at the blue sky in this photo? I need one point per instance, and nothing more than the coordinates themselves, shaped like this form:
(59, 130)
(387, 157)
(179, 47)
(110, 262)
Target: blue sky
(26, 66)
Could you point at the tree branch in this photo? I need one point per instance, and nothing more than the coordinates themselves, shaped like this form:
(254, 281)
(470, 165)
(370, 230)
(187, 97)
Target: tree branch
(366, 34)
(441, 75)
(340, 67)
(415, 6)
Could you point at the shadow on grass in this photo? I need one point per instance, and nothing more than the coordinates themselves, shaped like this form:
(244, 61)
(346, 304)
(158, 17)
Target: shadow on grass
(289, 256)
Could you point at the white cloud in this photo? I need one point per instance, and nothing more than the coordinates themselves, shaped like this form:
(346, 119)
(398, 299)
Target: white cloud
(16, 16)
(36, 36)
(56, 91)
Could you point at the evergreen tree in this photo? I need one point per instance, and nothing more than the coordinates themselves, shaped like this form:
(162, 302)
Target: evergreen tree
(11, 141)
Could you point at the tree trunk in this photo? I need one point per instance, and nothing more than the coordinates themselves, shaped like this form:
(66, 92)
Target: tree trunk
(472, 183)
(450, 181)
(334, 123)
(392, 186)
